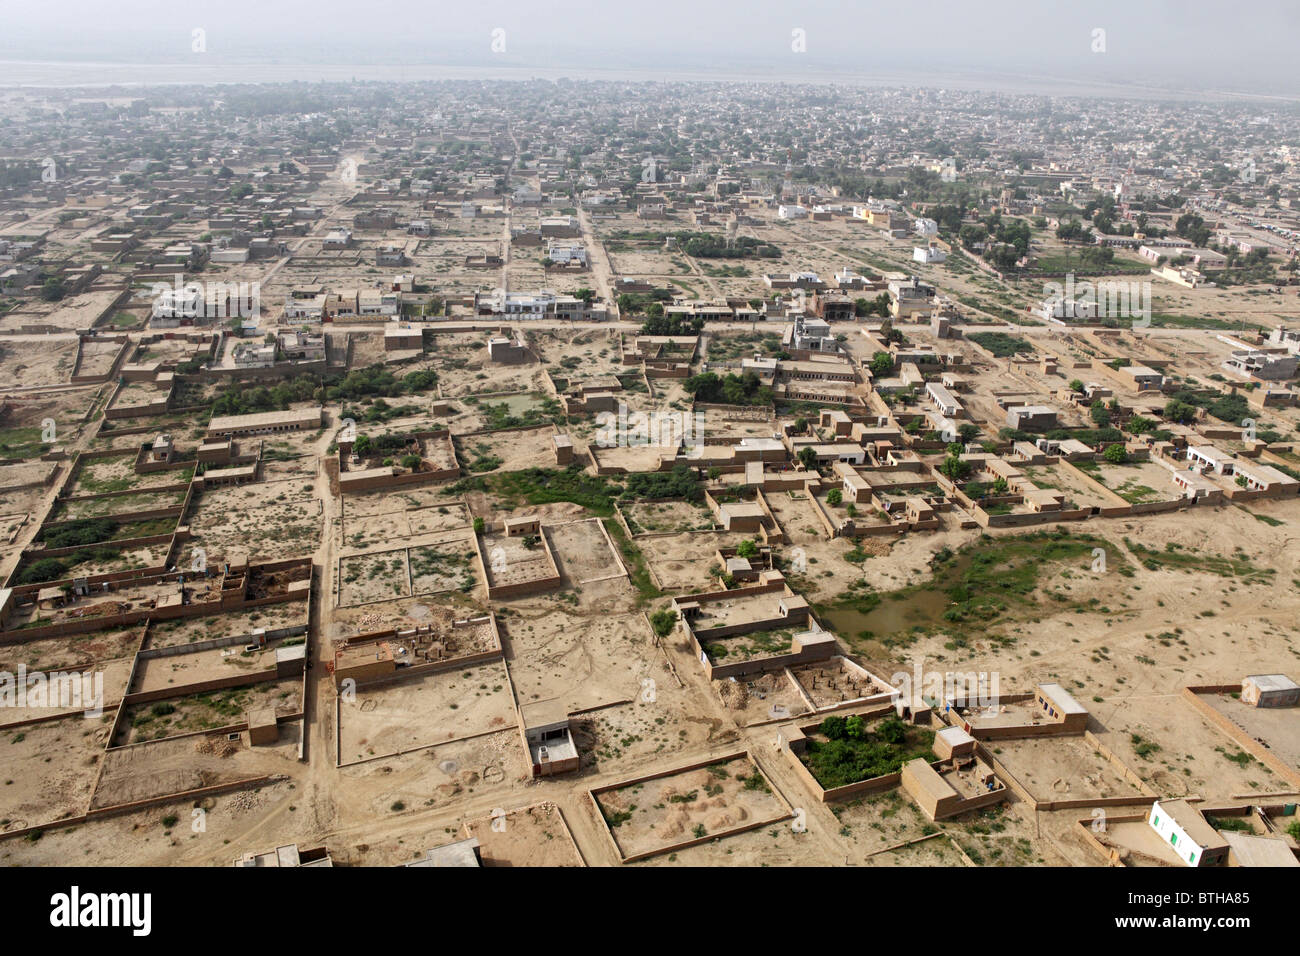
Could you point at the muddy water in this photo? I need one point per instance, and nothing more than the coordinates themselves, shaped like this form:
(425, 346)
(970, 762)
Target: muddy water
(898, 611)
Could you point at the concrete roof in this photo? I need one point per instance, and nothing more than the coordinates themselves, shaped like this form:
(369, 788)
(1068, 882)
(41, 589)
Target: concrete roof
(1249, 849)
(929, 780)
(1192, 823)
(1272, 681)
(1062, 699)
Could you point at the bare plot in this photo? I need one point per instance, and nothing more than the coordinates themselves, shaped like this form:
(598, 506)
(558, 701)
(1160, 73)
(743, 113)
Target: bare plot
(215, 709)
(262, 520)
(585, 658)
(49, 770)
(1177, 752)
(45, 363)
(1137, 482)
(440, 777)
(652, 816)
(684, 561)
(876, 821)
(79, 650)
(423, 711)
(443, 566)
(117, 473)
(376, 576)
(187, 630)
(659, 517)
(138, 395)
(119, 504)
(180, 764)
(938, 851)
(515, 559)
(1278, 728)
(793, 511)
(215, 663)
(296, 466)
(1078, 493)
(1062, 768)
(659, 721)
(364, 529)
(529, 836)
(578, 354)
(11, 524)
(477, 376)
(630, 458)
(582, 552)
(512, 450)
(86, 691)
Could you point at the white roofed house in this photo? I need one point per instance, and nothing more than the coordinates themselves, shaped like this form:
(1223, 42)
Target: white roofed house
(943, 400)
(1208, 458)
(1254, 476)
(337, 239)
(1191, 838)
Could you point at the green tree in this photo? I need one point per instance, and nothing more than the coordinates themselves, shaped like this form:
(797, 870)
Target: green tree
(1178, 411)
(663, 622)
(954, 469)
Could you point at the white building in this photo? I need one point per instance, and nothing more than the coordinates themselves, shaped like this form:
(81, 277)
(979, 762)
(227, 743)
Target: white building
(567, 253)
(1193, 841)
(1063, 310)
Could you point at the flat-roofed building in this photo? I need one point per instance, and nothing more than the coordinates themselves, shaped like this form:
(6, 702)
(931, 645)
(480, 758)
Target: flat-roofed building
(1144, 378)
(265, 423)
(1249, 849)
(1031, 417)
(401, 338)
(1270, 690)
(1193, 841)
(1266, 478)
(1057, 704)
(943, 399)
(460, 853)
(544, 726)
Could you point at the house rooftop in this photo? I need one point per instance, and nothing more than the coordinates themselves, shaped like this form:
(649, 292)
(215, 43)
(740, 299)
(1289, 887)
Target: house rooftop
(1062, 699)
(1270, 682)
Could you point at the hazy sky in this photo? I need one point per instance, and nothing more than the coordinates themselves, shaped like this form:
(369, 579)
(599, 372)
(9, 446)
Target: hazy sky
(1190, 44)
